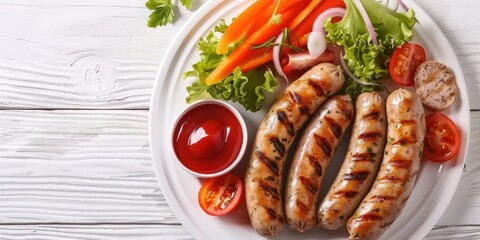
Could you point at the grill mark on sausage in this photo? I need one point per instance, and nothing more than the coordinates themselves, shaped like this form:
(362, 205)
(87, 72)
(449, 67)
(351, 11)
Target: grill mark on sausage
(308, 184)
(405, 141)
(302, 207)
(370, 217)
(323, 144)
(346, 112)
(407, 122)
(363, 157)
(382, 198)
(297, 99)
(393, 179)
(273, 191)
(272, 165)
(317, 87)
(271, 212)
(370, 135)
(282, 116)
(374, 115)
(304, 110)
(278, 145)
(359, 175)
(334, 126)
(347, 194)
(316, 165)
(400, 163)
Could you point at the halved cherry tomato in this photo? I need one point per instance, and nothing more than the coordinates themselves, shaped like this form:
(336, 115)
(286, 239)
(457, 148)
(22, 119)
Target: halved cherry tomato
(220, 195)
(442, 140)
(294, 65)
(404, 62)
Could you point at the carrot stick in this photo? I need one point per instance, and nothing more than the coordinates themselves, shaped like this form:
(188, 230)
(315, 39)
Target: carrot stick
(307, 11)
(306, 26)
(244, 50)
(241, 24)
(278, 5)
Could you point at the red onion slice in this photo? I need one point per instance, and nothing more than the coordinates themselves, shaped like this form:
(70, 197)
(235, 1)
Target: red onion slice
(403, 5)
(331, 12)
(367, 21)
(276, 57)
(316, 40)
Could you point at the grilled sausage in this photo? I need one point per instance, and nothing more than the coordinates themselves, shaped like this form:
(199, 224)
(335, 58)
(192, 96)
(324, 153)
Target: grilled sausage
(311, 159)
(401, 162)
(435, 84)
(361, 163)
(273, 140)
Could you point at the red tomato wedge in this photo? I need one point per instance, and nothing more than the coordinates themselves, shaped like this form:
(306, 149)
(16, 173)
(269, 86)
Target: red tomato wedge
(220, 195)
(404, 62)
(442, 140)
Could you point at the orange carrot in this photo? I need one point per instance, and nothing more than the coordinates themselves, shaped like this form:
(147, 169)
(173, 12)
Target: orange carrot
(258, 61)
(306, 12)
(278, 6)
(264, 58)
(241, 24)
(306, 25)
(244, 50)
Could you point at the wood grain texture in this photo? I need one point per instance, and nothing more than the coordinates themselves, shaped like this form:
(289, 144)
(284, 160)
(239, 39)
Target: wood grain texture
(94, 232)
(78, 167)
(164, 232)
(106, 58)
(454, 232)
(80, 54)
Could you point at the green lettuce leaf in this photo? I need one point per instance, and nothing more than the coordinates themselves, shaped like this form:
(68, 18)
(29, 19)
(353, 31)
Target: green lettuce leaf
(248, 89)
(367, 62)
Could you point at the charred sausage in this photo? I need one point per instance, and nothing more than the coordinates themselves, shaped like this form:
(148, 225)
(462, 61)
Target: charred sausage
(273, 140)
(360, 165)
(311, 159)
(401, 162)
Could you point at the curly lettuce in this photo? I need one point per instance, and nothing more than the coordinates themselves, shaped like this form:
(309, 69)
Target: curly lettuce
(367, 61)
(248, 88)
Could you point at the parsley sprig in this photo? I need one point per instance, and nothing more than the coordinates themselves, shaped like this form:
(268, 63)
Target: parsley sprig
(163, 11)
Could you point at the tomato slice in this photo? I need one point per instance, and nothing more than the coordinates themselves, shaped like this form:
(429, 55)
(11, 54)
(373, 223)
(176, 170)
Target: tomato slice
(404, 62)
(220, 195)
(295, 64)
(442, 140)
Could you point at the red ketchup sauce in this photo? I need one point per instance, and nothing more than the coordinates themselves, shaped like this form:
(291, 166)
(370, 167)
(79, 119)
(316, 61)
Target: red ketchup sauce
(208, 138)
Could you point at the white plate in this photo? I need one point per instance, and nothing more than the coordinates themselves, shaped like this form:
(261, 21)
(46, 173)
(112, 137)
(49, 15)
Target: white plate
(434, 188)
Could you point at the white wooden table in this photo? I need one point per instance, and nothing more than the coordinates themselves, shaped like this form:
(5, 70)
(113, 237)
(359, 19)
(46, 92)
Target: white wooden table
(75, 83)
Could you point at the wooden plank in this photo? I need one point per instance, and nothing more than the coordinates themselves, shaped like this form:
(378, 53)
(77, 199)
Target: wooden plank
(94, 232)
(78, 167)
(161, 232)
(106, 58)
(80, 54)
(454, 232)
